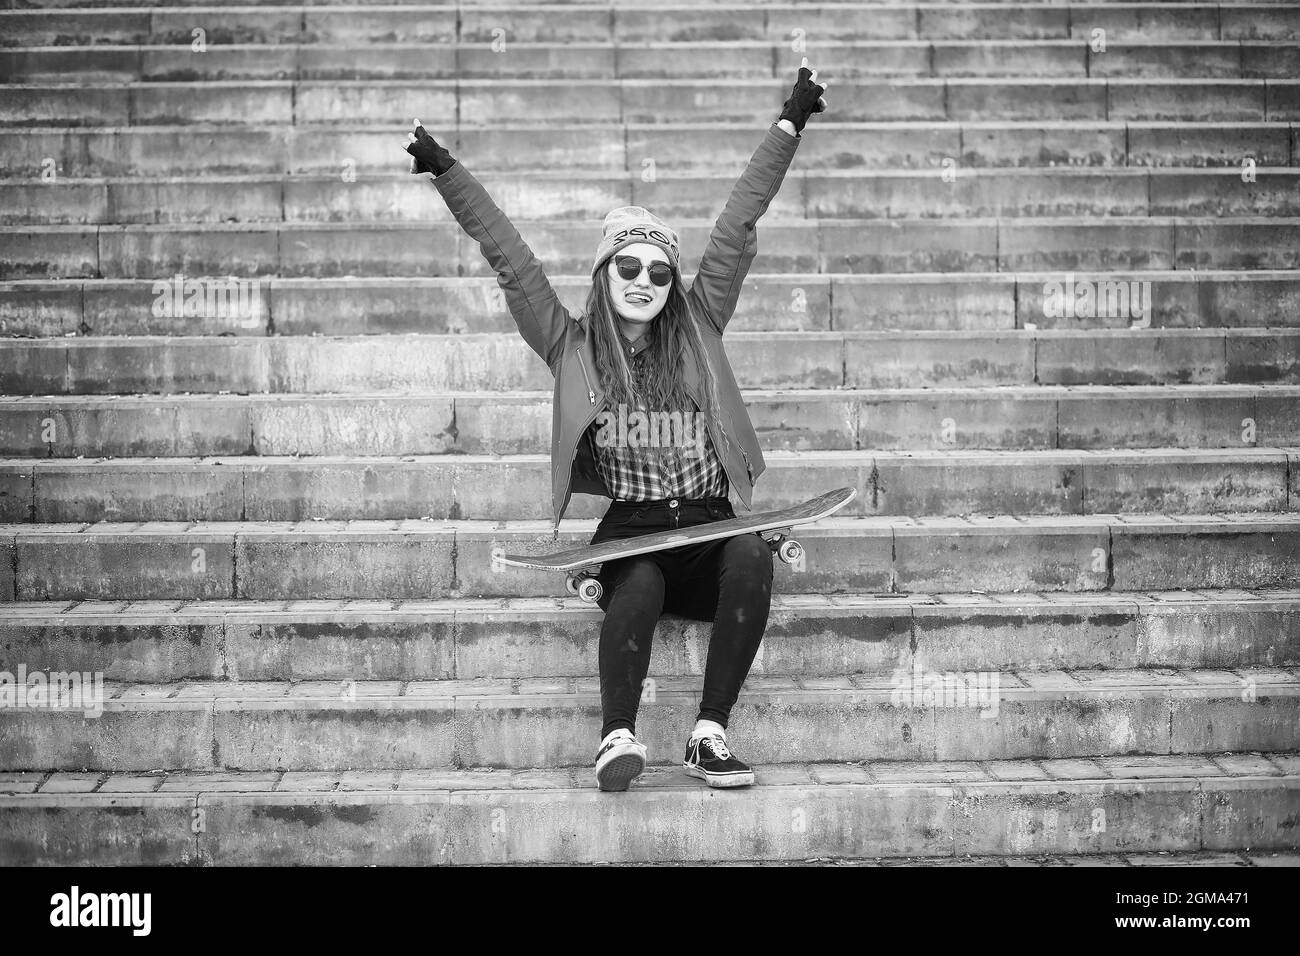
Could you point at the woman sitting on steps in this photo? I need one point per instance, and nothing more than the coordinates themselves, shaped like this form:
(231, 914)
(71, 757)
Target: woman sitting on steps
(648, 351)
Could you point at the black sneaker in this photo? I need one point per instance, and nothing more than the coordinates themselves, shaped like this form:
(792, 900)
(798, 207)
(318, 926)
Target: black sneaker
(619, 761)
(709, 759)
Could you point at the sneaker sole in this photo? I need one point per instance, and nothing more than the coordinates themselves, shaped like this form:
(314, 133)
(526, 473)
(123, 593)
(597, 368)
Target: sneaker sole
(619, 772)
(745, 779)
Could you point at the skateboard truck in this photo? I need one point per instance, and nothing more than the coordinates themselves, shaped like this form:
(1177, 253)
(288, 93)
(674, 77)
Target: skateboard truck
(585, 585)
(786, 548)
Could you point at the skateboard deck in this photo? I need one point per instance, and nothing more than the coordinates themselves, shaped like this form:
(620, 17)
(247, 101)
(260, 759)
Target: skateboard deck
(581, 562)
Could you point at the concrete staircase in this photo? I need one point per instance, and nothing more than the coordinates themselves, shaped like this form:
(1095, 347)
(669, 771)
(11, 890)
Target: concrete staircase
(1062, 616)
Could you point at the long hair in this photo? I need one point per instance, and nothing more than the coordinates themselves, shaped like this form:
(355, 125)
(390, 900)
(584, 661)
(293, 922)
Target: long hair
(672, 340)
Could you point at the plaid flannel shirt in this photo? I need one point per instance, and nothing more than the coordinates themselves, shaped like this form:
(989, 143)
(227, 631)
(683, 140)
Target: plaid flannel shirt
(637, 474)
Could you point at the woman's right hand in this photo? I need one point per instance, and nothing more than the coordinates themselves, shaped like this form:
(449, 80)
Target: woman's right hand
(427, 156)
(806, 98)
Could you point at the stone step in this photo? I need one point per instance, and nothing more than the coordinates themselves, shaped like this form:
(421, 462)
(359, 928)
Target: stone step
(761, 360)
(642, 100)
(1139, 806)
(517, 487)
(222, 149)
(978, 302)
(807, 636)
(818, 194)
(568, 4)
(554, 722)
(1039, 417)
(1073, 742)
(414, 558)
(791, 245)
(444, 24)
(727, 61)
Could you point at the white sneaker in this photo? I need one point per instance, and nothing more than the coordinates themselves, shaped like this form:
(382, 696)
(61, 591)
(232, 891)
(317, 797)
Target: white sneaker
(619, 761)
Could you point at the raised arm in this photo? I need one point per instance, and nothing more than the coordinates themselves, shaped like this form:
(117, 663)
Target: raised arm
(533, 304)
(733, 243)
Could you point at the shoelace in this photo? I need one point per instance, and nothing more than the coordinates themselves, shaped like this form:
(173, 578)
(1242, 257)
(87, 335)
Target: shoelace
(717, 745)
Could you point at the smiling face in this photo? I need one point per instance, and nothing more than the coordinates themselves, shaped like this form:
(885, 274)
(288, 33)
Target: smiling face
(637, 312)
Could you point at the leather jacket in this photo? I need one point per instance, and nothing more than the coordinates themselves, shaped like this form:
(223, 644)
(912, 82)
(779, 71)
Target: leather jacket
(564, 340)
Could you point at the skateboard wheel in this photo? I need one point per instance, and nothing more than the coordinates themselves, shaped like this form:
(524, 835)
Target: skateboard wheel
(590, 590)
(571, 583)
(790, 551)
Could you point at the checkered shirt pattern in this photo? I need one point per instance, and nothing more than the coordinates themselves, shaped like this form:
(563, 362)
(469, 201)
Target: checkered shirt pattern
(636, 474)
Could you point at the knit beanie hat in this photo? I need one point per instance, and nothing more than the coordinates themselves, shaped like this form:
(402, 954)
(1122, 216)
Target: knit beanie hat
(630, 224)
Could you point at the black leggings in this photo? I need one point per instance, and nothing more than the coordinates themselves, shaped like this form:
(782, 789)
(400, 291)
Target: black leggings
(728, 582)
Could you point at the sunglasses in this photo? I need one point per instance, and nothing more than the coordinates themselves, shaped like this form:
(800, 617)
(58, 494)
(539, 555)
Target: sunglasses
(629, 267)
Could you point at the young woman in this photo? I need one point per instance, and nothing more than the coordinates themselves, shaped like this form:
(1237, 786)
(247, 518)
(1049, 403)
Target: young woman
(646, 411)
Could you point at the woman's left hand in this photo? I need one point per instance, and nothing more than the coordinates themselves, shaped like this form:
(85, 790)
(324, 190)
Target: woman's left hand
(427, 154)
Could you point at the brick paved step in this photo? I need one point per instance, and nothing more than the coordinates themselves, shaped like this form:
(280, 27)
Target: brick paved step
(937, 811)
(977, 302)
(554, 722)
(448, 24)
(494, 101)
(511, 488)
(1039, 417)
(728, 61)
(807, 636)
(402, 559)
(897, 194)
(221, 149)
(839, 245)
(761, 360)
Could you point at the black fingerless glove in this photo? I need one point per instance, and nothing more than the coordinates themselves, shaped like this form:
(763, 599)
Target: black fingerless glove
(430, 157)
(803, 101)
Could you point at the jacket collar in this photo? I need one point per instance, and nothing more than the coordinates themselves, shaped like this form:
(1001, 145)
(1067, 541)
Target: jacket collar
(584, 323)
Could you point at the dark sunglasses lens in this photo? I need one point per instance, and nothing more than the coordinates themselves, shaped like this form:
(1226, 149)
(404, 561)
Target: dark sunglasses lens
(629, 267)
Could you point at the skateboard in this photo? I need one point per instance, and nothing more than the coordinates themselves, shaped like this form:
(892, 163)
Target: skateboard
(580, 564)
